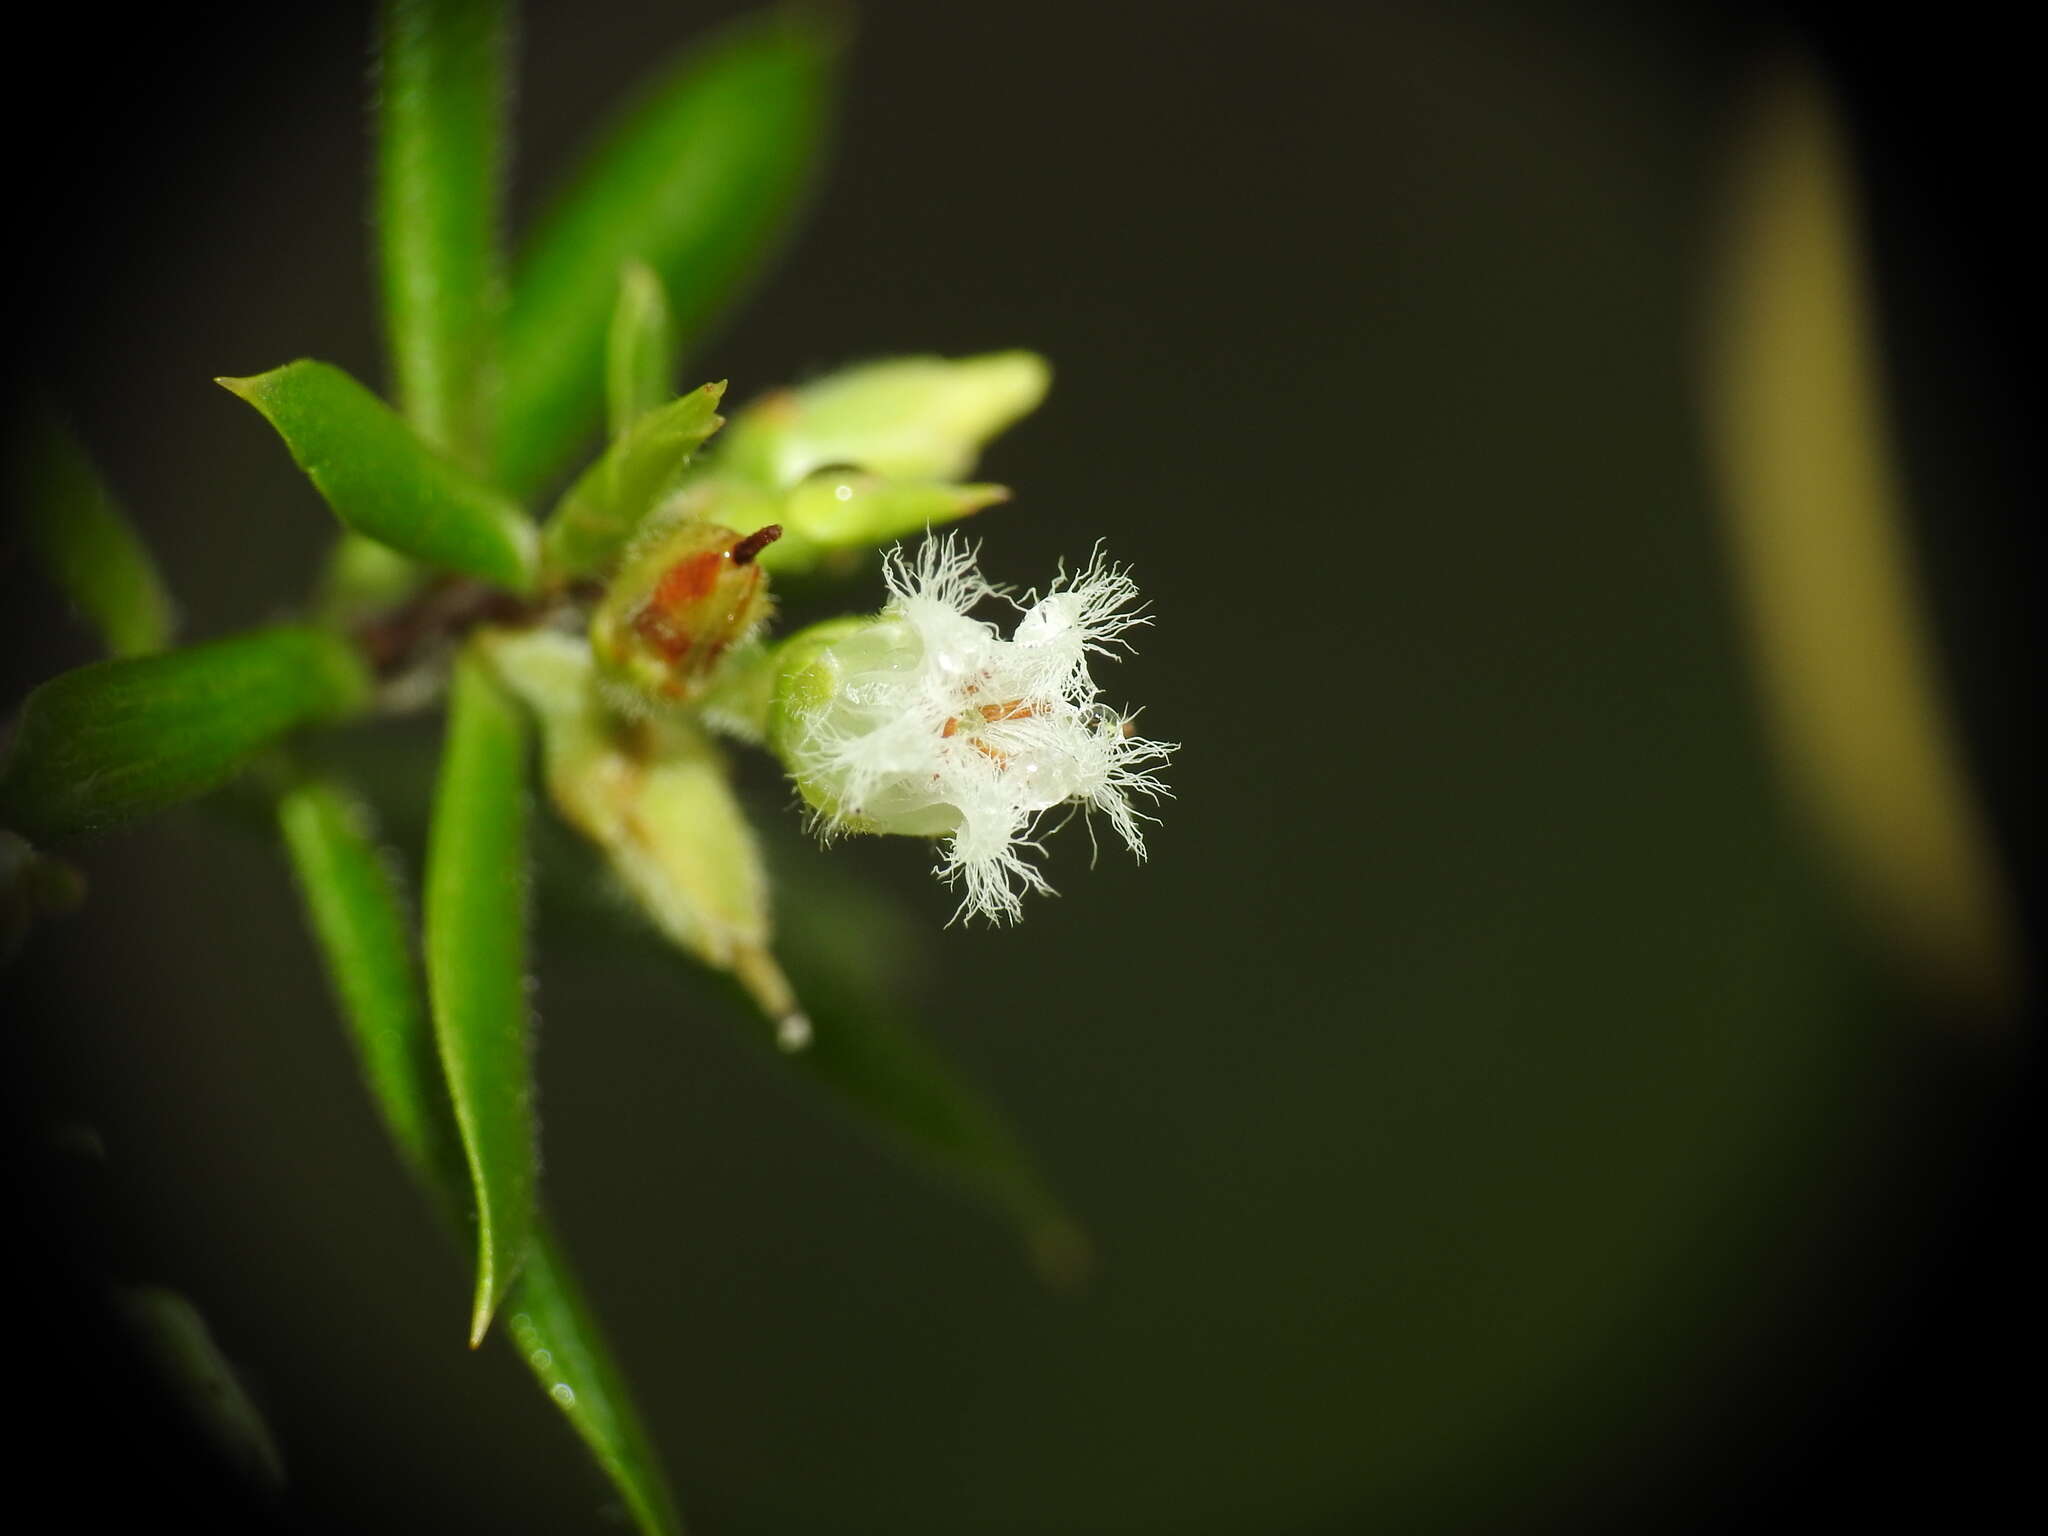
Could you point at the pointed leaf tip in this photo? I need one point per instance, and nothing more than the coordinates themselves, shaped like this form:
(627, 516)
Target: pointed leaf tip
(387, 484)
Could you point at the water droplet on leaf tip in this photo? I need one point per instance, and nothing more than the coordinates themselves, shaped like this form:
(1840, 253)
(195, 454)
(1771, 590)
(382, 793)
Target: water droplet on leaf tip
(793, 1032)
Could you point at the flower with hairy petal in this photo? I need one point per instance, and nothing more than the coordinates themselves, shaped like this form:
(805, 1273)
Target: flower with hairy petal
(926, 721)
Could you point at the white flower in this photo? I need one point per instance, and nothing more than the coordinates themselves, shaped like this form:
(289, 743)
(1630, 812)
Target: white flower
(928, 722)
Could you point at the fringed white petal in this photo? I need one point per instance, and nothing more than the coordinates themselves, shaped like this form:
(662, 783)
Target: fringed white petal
(942, 727)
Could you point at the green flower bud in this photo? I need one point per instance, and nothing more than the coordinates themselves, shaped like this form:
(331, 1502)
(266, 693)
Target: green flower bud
(840, 509)
(911, 418)
(682, 600)
(655, 795)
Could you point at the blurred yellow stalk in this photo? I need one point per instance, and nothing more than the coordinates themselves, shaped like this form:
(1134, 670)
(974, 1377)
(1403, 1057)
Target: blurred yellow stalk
(1823, 565)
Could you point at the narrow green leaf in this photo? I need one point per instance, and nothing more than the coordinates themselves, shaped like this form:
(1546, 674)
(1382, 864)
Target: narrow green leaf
(440, 178)
(385, 483)
(93, 554)
(352, 897)
(358, 916)
(557, 1335)
(605, 507)
(476, 968)
(640, 351)
(698, 179)
(119, 739)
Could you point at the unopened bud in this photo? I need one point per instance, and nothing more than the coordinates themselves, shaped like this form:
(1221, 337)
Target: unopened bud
(909, 418)
(680, 603)
(654, 794)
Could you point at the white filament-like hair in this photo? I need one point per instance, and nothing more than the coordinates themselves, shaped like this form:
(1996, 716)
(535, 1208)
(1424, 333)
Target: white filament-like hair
(939, 726)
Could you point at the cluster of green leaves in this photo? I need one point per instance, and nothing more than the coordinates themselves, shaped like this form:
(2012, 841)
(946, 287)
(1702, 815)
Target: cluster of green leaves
(500, 371)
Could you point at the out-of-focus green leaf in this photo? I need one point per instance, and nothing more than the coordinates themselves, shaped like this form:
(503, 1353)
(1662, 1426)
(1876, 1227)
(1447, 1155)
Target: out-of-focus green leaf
(1815, 511)
(909, 418)
(879, 1067)
(352, 897)
(440, 176)
(32, 886)
(92, 553)
(175, 1339)
(362, 578)
(640, 350)
(606, 505)
(385, 483)
(697, 178)
(119, 739)
(476, 968)
(556, 1334)
(359, 918)
(845, 948)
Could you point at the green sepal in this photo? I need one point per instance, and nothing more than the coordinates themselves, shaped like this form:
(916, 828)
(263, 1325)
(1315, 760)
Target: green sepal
(362, 578)
(119, 739)
(806, 676)
(686, 597)
(607, 505)
(387, 484)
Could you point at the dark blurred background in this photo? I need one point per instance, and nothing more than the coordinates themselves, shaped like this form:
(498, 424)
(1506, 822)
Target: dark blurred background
(1488, 1112)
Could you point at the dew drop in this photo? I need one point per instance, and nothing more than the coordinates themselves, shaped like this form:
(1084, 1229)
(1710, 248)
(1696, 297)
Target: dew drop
(793, 1032)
